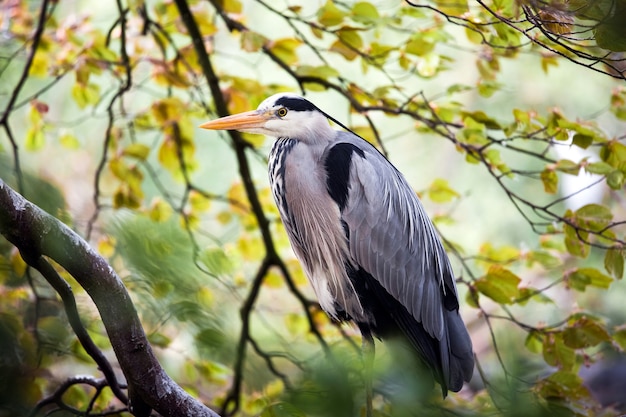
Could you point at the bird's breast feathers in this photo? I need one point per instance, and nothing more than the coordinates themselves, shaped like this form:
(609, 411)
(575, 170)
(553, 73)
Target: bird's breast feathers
(312, 219)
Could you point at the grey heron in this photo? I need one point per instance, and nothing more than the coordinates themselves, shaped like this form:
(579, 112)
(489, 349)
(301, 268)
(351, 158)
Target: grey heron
(368, 248)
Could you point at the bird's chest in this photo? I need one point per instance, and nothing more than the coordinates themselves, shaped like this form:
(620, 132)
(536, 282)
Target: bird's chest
(297, 179)
(312, 220)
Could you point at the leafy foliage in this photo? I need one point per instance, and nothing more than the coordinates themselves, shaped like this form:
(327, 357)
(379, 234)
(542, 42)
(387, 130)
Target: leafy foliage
(105, 106)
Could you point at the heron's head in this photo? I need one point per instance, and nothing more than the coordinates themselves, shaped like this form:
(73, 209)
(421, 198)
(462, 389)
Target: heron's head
(281, 115)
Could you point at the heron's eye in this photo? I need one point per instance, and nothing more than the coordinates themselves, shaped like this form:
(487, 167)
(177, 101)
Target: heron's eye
(282, 112)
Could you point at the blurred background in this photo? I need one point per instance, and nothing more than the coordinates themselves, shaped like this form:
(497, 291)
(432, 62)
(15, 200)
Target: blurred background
(506, 118)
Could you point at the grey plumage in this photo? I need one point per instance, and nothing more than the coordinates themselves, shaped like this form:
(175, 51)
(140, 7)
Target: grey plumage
(365, 242)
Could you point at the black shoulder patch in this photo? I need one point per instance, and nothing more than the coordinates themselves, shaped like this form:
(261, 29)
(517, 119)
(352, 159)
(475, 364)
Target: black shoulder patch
(296, 103)
(337, 164)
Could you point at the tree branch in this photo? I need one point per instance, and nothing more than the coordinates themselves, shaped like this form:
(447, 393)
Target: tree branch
(36, 233)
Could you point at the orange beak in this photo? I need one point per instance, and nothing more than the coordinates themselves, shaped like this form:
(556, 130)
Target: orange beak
(242, 121)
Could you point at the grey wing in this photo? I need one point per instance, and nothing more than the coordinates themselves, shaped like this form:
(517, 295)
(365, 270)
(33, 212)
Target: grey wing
(392, 238)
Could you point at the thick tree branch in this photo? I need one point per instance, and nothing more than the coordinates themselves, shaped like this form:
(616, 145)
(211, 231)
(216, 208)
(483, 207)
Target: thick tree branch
(36, 233)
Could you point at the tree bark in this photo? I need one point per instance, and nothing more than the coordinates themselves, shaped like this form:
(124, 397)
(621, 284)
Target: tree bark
(37, 234)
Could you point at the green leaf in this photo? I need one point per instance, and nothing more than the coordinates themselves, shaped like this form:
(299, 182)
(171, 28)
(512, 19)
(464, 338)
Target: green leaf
(544, 258)
(296, 324)
(487, 88)
(216, 261)
(472, 297)
(613, 153)
(452, 7)
(619, 335)
(527, 294)
(35, 139)
(85, 94)
(364, 12)
(614, 262)
(566, 385)
(53, 332)
(618, 103)
(616, 179)
(440, 191)
(428, 65)
(160, 211)
(322, 71)
(482, 118)
(609, 33)
(575, 239)
(500, 284)
(137, 150)
(550, 181)
(557, 353)
(159, 339)
(601, 168)
(567, 166)
(330, 15)
(534, 341)
(210, 337)
(69, 141)
(582, 141)
(252, 41)
(167, 110)
(585, 332)
(580, 278)
(213, 371)
(593, 216)
(285, 49)
(419, 45)
(350, 37)
(344, 50)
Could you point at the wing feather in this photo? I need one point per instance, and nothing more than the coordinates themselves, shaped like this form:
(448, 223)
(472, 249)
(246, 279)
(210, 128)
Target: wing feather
(393, 240)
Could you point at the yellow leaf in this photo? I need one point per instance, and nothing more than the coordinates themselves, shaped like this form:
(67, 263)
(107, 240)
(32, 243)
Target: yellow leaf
(296, 272)
(85, 94)
(160, 211)
(231, 6)
(253, 139)
(364, 11)
(190, 221)
(351, 38)
(440, 191)
(274, 388)
(252, 41)
(137, 150)
(452, 7)
(341, 48)
(285, 49)
(205, 297)
(168, 110)
(251, 248)
(198, 201)
(69, 141)
(273, 279)
(17, 263)
(35, 139)
(330, 15)
(40, 65)
(238, 101)
(106, 246)
(296, 324)
(168, 157)
(365, 132)
(428, 65)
